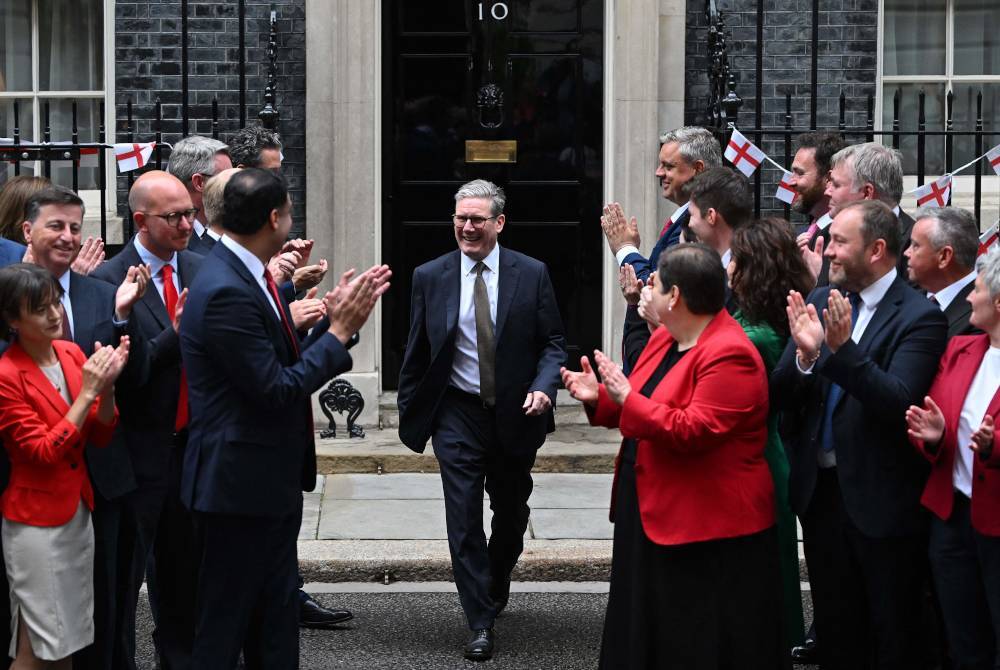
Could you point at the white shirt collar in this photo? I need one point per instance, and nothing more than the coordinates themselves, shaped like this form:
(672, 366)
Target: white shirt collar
(64, 282)
(199, 227)
(873, 294)
(492, 261)
(726, 257)
(253, 263)
(824, 221)
(154, 262)
(947, 295)
(896, 211)
(679, 212)
(214, 235)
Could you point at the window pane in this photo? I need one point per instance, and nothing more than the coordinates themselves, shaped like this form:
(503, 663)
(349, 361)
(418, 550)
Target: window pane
(7, 132)
(61, 121)
(914, 37)
(977, 37)
(70, 48)
(908, 115)
(965, 119)
(15, 45)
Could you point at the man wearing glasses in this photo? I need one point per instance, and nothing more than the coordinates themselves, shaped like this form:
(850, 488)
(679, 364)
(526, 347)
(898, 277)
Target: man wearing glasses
(194, 160)
(479, 378)
(154, 421)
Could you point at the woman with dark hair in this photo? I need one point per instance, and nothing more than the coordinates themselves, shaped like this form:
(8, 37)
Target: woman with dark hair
(766, 264)
(52, 402)
(694, 583)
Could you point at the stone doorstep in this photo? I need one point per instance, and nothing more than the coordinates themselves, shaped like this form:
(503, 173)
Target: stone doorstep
(568, 411)
(429, 561)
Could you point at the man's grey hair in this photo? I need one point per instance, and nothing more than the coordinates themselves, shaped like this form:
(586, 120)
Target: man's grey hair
(956, 228)
(246, 145)
(988, 267)
(480, 188)
(875, 164)
(195, 155)
(695, 144)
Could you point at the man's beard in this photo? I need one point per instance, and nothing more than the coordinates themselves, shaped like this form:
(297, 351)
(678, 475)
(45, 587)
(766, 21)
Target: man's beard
(805, 203)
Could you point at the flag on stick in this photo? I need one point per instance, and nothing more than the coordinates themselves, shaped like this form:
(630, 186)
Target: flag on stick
(786, 192)
(935, 194)
(743, 154)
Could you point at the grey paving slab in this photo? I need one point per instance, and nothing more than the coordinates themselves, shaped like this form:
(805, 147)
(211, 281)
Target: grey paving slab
(568, 491)
(583, 524)
(382, 519)
(402, 486)
(311, 502)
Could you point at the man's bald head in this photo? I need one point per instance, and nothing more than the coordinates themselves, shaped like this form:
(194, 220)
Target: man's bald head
(149, 186)
(212, 197)
(163, 213)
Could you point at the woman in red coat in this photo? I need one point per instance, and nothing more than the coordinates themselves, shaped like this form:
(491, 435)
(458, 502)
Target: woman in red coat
(53, 401)
(694, 579)
(954, 431)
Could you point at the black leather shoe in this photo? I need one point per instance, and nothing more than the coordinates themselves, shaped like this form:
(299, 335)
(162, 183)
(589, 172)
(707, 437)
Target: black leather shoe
(806, 653)
(480, 645)
(314, 615)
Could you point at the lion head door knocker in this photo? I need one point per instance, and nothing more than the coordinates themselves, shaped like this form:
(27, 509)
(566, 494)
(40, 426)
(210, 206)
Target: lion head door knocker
(489, 101)
(341, 396)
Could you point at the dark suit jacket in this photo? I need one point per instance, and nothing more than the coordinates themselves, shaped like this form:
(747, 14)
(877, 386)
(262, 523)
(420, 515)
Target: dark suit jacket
(93, 303)
(200, 245)
(958, 312)
(530, 348)
(11, 252)
(890, 369)
(148, 413)
(251, 448)
(644, 267)
(906, 229)
(958, 368)
(823, 279)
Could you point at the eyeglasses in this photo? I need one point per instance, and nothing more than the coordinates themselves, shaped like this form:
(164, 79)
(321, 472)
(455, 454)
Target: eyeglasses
(173, 219)
(476, 221)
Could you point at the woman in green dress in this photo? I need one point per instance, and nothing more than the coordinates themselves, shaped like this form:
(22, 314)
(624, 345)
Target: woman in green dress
(766, 264)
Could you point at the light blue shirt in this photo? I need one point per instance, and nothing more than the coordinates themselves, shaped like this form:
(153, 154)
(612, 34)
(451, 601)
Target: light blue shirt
(465, 367)
(255, 267)
(156, 264)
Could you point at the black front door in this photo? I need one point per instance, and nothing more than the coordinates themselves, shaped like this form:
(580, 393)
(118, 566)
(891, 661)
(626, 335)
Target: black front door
(521, 73)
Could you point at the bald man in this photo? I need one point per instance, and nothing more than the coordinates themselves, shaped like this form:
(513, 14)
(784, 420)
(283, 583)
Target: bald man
(155, 418)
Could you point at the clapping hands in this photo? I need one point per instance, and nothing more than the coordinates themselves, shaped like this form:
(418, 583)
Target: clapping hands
(351, 302)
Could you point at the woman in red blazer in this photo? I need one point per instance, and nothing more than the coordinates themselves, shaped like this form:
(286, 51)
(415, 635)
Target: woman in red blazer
(694, 579)
(954, 431)
(53, 401)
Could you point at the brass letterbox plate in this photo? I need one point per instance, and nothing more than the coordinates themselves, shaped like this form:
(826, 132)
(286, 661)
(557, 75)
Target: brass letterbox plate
(490, 151)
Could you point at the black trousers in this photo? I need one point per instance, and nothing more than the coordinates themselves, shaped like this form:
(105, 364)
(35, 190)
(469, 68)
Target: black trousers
(165, 554)
(471, 460)
(247, 598)
(966, 569)
(866, 591)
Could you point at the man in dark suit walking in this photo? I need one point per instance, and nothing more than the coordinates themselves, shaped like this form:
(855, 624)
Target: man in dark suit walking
(95, 311)
(480, 377)
(942, 261)
(853, 367)
(251, 449)
(154, 419)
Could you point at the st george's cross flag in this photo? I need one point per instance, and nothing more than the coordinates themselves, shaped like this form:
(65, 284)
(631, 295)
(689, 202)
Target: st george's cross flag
(935, 194)
(993, 157)
(133, 156)
(989, 238)
(786, 193)
(743, 154)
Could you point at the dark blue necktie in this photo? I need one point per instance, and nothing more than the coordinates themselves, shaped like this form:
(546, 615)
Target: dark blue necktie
(835, 392)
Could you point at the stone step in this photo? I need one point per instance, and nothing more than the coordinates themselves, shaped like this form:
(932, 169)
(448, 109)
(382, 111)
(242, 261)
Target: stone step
(568, 411)
(571, 448)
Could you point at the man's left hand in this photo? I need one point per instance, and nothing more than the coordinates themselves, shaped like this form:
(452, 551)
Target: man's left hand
(304, 278)
(131, 290)
(535, 403)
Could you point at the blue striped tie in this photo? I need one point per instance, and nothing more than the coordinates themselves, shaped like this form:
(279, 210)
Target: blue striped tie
(835, 393)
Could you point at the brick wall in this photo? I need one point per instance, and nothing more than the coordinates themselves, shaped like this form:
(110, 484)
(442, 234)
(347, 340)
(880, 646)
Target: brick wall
(847, 63)
(148, 66)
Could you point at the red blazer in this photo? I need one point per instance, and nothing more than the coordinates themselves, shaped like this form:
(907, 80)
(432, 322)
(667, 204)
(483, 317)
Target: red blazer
(956, 371)
(48, 474)
(700, 468)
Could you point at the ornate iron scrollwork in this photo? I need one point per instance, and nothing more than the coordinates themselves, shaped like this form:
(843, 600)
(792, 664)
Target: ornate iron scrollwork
(489, 101)
(269, 114)
(724, 103)
(340, 396)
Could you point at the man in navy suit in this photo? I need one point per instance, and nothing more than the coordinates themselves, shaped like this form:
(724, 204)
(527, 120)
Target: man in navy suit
(95, 311)
(251, 449)
(860, 354)
(480, 375)
(154, 417)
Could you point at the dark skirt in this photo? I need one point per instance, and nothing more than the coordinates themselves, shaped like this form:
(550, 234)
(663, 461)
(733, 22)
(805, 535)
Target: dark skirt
(712, 605)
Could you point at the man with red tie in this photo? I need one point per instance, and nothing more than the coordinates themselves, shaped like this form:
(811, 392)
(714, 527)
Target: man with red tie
(251, 449)
(154, 419)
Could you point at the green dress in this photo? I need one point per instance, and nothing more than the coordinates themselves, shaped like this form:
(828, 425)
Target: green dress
(770, 345)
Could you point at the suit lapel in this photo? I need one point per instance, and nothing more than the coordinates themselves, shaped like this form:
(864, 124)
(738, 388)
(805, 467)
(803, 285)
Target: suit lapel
(452, 277)
(959, 308)
(85, 316)
(967, 363)
(71, 370)
(271, 319)
(883, 313)
(151, 298)
(34, 376)
(509, 275)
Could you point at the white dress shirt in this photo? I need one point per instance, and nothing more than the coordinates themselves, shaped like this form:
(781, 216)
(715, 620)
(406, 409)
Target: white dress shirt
(947, 295)
(255, 267)
(156, 264)
(726, 257)
(984, 387)
(465, 367)
(630, 249)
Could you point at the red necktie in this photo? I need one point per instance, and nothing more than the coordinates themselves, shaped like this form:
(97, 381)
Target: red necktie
(170, 300)
(272, 288)
(666, 225)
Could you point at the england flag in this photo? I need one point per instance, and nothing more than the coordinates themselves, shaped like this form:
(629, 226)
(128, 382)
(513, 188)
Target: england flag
(133, 156)
(786, 192)
(988, 239)
(743, 154)
(935, 194)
